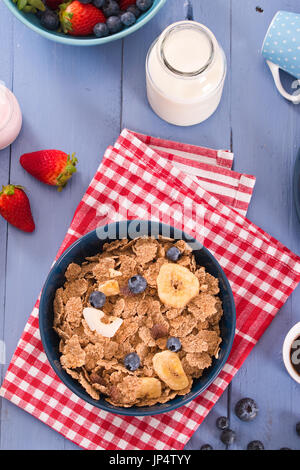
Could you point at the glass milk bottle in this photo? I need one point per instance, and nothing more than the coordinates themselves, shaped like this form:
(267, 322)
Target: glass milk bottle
(185, 73)
(10, 117)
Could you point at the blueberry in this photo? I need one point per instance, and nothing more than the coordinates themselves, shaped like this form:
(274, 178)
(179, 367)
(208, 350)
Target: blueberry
(174, 344)
(85, 2)
(97, 299)
(222, 423)
(111, 8)
(255, 445)
(228, 437)
(127, 18)
(114, 24)
(137, 284)
(144, 5)
(49, 19)
(98, 3)
(298, 429)
(206, 447)
(39, 13)
(132, 361)
(246, 409)
(101, 30)
(173, 253)
(135, 10)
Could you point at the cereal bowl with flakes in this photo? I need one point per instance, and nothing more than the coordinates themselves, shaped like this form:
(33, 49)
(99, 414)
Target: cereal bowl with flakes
(137, 318)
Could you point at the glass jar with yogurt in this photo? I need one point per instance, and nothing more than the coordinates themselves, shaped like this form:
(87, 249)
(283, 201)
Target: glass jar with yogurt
(10, 117)
(185, 73)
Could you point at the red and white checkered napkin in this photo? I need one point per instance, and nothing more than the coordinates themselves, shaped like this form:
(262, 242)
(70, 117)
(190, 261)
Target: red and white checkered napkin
(145, 184)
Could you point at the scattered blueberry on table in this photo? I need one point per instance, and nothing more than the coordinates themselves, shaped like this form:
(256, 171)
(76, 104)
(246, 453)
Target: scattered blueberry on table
(86, 17)
(228, 437)
(206, 447)
(132, 361)
(255, 445)
(246, 409)
(222, 423)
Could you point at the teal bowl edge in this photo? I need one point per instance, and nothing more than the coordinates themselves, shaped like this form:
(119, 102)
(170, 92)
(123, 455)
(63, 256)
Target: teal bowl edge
(64, 39)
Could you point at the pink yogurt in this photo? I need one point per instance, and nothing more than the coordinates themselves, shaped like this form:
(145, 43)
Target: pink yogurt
(10, 117)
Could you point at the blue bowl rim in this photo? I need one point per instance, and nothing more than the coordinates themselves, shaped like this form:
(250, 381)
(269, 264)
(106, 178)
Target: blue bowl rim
(136, 411)
(74, 41)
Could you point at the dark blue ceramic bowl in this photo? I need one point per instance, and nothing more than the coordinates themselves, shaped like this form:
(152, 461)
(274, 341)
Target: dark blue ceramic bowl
(91, 244)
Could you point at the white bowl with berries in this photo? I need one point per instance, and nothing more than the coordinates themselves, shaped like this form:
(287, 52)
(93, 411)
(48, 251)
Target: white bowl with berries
(84, 22)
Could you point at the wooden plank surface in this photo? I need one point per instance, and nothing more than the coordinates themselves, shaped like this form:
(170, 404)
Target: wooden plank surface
(266, 140)
(78, 99)
(6, 37)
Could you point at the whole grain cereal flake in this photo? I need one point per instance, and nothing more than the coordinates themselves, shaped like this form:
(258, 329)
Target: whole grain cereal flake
(73, 272)
(58, 307)
(75, 289)
(145, 250)
(88, 387)
(74, 309)
(101, 270)
(127, 265)
(73, 355)
(203, 306)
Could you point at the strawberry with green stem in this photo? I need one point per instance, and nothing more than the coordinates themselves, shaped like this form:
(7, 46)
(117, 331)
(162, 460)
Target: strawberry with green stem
(52, 167)
(15, 207)
(79, 19)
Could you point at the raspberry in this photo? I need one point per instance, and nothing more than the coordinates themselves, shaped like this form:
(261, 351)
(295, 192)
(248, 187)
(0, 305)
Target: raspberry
(124, 4)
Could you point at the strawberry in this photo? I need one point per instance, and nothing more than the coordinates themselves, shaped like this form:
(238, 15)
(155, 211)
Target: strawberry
(52, 167)
(53, 4)
(15, 207)
(79, 19)
(124, 4)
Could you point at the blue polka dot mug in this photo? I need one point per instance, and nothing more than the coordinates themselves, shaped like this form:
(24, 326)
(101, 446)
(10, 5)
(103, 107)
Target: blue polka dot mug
(281, 49)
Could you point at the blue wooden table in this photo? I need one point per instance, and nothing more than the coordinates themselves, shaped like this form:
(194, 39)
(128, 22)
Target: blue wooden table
(78, 99)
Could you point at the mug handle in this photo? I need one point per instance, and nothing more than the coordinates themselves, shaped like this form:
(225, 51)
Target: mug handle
(275, 72)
